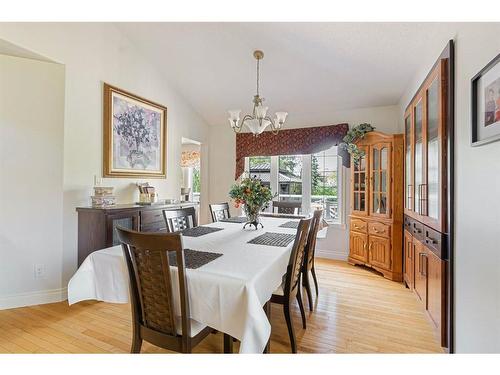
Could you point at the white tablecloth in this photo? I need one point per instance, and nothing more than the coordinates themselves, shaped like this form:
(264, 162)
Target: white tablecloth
(226, 294)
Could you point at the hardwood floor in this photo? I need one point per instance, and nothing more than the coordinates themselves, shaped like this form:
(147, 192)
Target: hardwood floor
(357, 312)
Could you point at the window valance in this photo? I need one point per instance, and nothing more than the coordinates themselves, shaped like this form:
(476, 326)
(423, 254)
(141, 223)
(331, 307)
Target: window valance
(289, 142)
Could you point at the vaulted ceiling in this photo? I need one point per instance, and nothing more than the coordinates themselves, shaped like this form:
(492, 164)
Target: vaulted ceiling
(309, 69)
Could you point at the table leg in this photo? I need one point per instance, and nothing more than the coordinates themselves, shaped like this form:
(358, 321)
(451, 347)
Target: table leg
(228, 344)
(267, 309)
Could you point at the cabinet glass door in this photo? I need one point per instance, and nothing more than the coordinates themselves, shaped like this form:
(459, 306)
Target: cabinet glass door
(380, 179)
(359, 188)
(408, 165)
(430, 199)
(419, 156)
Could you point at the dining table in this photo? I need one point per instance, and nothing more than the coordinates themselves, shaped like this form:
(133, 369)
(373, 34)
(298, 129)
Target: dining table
(226, 294)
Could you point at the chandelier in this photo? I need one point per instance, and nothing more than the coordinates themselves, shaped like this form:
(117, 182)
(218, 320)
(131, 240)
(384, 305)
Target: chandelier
(257, 122)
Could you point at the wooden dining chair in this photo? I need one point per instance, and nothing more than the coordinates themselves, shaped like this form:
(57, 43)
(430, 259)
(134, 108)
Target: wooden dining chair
(308, 265)
(219, 211)
(180, 219)
(290, 208)
(151, 292)
(290, 288)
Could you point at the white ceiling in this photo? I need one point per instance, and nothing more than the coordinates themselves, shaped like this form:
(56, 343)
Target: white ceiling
(309, 69)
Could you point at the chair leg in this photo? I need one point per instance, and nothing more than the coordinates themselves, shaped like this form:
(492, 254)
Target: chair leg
(289, 324)
(301, 307)
(313, 271)
(136, 343)
(307, 286)
(228, 344)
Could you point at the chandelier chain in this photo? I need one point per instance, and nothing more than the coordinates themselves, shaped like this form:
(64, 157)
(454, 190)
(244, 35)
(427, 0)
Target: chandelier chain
(258, 61)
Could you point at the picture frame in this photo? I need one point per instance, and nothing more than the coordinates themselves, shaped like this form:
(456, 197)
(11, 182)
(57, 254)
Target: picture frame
(134, 135)
(485, 104)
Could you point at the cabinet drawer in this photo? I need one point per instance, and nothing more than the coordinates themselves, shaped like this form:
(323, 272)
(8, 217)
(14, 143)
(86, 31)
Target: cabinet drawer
(358, 225)
(417, 230)
(379, 229)
(407, 223)
(435, 242)
(151, 216)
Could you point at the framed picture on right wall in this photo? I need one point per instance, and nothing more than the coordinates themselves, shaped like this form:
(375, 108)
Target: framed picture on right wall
(485, 91)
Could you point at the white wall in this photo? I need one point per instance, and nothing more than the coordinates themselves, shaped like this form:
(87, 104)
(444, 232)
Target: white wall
(93, 53)
(477, 207)
(31, 187)
(223, 154)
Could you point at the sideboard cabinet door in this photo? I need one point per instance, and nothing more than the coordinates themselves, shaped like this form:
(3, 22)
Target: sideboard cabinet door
(128, 220)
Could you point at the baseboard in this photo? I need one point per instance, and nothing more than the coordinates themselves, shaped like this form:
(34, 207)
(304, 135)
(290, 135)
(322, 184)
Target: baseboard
(331, 254)
(33, 298)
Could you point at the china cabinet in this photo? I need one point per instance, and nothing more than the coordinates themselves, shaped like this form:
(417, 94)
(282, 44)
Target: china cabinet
(377, 205)
(428, 195)
(425, 152)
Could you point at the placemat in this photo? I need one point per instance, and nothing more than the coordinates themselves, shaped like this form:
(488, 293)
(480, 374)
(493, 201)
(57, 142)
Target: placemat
(236, 219)
(290, 224)
(193, 259)
(273, 239)
(199, 231)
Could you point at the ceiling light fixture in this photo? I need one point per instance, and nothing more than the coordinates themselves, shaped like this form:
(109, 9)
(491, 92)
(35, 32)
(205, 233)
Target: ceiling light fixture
(257, 122)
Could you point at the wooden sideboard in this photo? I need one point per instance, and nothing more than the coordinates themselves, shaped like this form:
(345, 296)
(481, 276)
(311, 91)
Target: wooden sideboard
(376, 219)
(96, 226)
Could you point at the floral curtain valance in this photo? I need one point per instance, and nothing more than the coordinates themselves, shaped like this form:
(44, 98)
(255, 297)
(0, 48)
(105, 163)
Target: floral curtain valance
(288, 142)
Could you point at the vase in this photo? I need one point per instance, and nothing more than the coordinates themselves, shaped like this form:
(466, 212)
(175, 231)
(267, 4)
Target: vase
(253, 217)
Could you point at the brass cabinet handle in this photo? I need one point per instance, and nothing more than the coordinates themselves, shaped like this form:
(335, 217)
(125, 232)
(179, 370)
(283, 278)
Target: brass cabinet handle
(375, 230)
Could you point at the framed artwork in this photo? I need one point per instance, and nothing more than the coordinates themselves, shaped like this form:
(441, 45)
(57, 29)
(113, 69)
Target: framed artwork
(134, 135)
(485, 91)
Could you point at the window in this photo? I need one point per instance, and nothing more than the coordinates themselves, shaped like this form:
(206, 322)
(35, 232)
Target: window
(260, 167)
(290, 178)
(315, 180)
(325, 184)
(196, 183)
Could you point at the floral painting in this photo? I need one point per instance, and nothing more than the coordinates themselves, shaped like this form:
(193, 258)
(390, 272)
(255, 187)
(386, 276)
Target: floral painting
(134, 135)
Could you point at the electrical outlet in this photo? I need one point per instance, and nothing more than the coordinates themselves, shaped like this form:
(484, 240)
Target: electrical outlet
(39, 271)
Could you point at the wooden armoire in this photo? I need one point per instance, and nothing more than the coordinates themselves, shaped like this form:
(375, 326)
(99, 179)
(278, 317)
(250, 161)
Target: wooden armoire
(376, 218)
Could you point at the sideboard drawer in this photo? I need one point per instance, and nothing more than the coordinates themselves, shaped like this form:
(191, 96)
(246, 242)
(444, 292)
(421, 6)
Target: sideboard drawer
(151, 216)
(358, 225)
(379, 229)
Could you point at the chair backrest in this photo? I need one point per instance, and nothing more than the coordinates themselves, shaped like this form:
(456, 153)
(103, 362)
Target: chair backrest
(311, 238)
(151, 291)
(296, 258)
(219, 211)
(290, 208)
(180, 219)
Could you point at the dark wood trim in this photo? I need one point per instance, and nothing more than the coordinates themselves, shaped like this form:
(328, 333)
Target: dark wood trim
(449, 53)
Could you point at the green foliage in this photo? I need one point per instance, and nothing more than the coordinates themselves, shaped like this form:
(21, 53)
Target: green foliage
(254, 160)
(288, 164)
(315, 175)
(196, 180)
(252, 193)
(356, 133)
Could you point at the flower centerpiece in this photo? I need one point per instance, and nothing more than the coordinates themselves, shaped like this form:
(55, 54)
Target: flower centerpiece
(254, 196)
